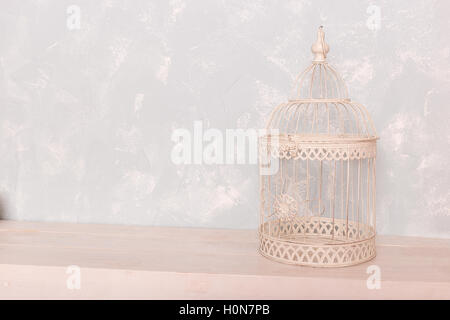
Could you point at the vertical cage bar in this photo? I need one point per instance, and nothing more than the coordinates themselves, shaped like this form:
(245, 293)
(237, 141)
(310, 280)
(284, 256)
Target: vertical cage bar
(305, 214)
(359, 196)
(334, 196)
(373, 194)
(307, 188)
(352, 184)
(347, 199)
(320, 190)
(342, 196)
(367, 223)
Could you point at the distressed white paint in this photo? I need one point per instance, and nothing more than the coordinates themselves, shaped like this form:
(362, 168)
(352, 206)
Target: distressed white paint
(86, 115)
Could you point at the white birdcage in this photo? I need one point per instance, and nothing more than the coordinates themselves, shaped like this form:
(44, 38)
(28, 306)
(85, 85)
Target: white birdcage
(318, 209)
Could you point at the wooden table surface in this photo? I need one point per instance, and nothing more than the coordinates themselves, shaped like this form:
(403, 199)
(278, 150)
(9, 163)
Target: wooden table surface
(130, 262)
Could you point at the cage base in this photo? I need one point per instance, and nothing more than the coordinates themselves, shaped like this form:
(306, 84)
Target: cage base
(306, 242)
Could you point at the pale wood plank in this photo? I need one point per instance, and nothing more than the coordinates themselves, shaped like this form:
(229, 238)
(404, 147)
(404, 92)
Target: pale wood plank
(410, 267)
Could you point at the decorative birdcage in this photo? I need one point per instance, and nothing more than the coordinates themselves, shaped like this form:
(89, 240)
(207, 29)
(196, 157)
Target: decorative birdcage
(318, 208)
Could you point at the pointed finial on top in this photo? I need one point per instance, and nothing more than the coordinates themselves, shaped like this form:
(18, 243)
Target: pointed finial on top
(320, 48)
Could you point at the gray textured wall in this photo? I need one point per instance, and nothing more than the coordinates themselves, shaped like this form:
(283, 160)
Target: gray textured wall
(86, 114)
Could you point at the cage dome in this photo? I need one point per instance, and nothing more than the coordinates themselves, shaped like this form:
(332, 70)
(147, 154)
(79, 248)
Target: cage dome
(318, 209)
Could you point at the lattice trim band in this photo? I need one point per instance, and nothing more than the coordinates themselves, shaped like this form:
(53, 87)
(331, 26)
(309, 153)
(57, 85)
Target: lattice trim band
(288, 249)
(320, 151)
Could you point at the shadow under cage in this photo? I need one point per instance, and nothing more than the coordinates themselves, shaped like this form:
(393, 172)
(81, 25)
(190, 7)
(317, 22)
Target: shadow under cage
(318, 209)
